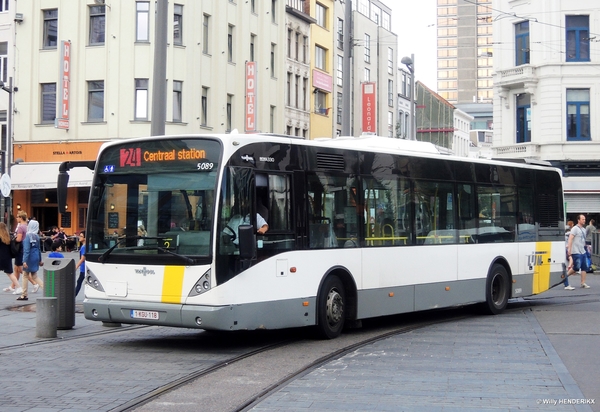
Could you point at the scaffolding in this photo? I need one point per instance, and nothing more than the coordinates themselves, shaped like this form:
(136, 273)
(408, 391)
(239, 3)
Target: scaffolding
(435, 117)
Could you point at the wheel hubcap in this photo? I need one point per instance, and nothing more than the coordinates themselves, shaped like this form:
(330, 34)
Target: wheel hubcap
(335, 307)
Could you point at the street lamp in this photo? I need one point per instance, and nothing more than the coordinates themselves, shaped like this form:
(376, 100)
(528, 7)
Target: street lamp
(409, 62)
(8, 153)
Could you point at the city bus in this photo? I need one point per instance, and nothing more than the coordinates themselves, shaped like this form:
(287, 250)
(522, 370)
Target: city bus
(358, 227)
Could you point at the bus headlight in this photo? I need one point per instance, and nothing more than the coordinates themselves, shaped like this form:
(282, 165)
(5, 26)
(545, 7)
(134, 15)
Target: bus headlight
(92, 281)
(202, 285)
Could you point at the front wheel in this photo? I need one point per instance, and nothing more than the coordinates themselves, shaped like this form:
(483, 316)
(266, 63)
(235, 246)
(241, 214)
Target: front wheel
(331, 307)
(497, 290)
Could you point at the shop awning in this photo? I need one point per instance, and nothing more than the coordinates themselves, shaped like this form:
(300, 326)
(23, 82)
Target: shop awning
(44, 176)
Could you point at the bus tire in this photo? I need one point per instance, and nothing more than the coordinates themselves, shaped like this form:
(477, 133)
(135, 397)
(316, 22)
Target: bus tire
(496, 290)
(331, 308)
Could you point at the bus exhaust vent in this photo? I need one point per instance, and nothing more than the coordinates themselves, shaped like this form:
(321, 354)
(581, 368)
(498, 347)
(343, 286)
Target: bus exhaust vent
(329, 161)
(548, 209)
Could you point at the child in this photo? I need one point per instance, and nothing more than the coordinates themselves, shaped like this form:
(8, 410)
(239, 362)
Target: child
(56, 249)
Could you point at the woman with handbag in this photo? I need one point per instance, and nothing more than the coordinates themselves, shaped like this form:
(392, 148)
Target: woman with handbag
(32, 258)
(20, 233)
(6, 258)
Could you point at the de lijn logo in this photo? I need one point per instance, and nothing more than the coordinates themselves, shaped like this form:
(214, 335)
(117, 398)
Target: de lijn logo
(536, 259)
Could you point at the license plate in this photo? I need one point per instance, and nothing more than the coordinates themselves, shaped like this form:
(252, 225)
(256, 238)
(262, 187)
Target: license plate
(143, 314)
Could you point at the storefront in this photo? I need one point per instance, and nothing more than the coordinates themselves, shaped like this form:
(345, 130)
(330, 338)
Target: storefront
(34, 177)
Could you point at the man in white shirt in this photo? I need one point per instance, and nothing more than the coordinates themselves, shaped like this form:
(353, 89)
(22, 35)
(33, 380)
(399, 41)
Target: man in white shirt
(576, 249)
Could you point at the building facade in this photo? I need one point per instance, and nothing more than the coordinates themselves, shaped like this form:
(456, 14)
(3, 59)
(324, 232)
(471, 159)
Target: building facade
(373, 52)
(84, 74)
(547, 88)
(465, 51)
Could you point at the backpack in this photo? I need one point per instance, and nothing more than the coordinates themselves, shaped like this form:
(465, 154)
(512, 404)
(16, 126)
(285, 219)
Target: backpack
(16, 248)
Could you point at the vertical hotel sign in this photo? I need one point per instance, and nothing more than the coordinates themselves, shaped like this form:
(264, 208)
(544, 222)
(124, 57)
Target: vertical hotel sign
(62, 120)
(250, 125)
(369, 108)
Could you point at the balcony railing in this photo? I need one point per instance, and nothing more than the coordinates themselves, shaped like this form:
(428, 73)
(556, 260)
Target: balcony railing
(521, 150)
(296, 4)
(516, 76)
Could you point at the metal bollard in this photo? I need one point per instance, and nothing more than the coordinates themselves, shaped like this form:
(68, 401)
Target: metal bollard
(46, 317)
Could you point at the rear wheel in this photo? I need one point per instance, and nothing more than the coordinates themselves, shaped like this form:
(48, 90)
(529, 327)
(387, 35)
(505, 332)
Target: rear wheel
(497, 290)
(331, 308)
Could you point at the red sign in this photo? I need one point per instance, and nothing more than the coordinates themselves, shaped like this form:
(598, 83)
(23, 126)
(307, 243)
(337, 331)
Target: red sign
(250, 97)
(62, 120)
(130, 157)
(369, 108)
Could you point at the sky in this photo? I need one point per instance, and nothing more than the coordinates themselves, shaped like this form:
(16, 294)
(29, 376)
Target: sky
(413, 21)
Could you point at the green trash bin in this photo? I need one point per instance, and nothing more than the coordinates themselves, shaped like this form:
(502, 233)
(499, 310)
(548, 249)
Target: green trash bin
(59, 282)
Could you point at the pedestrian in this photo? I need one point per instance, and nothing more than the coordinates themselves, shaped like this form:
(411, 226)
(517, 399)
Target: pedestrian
(6, 258)
(569, 258)
(576, 249)
(56, 250)
(20, 233)
(81, 263)
(590, 230)
(32, 258)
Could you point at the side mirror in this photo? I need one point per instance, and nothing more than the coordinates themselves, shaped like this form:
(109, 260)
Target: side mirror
(247, 243)
(61, 188)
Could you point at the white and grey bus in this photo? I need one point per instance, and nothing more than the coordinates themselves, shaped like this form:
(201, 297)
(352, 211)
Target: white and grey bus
(357, 228)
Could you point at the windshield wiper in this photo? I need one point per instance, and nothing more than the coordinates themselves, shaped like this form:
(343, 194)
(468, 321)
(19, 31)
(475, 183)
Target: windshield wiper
(105, 255)
(183, 257)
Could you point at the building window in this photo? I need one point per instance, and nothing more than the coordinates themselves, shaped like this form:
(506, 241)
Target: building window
(340, 34)
(401, 133)
(340, 70)
(304, 92)
(273, 11)
(297, 91)
(252, 43)
(230, 44)
(142, 29)
(177, 101)
(205, 32)
(321, 15)
(273, 60)
(204, 114)
(289, 43)
(96, 101)
(390, 124)
(178, 24)
(288, 90)
(4, 61)
(338, 111)
(272, 119)
(97, 25)
(578, 38)
(48, 102)
(141, 99)
(367, 75)
(522, 43)
(578, 114)
(304, 49)
(50, 29)
(4, 5)
(367, 48)
(229, 113)
(523, 118)
(297, 48)
(390, 60)
(320, 58)
(391, 93)
(253, 6)
(320, 102)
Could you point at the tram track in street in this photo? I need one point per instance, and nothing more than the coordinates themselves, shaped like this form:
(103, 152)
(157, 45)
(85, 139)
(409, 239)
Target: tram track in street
(245, 380)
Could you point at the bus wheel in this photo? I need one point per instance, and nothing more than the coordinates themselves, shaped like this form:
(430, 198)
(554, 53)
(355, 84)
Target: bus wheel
(331, 308)
(497, 290)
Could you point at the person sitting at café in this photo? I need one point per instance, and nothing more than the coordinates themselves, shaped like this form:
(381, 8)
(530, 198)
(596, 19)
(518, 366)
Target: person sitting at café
(56, 235)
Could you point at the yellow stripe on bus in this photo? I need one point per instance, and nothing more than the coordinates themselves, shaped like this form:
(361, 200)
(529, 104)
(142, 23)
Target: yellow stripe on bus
(172, 284)
(541, 271)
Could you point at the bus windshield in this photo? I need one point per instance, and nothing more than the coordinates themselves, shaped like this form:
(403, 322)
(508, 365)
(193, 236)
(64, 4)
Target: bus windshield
(154, 198)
